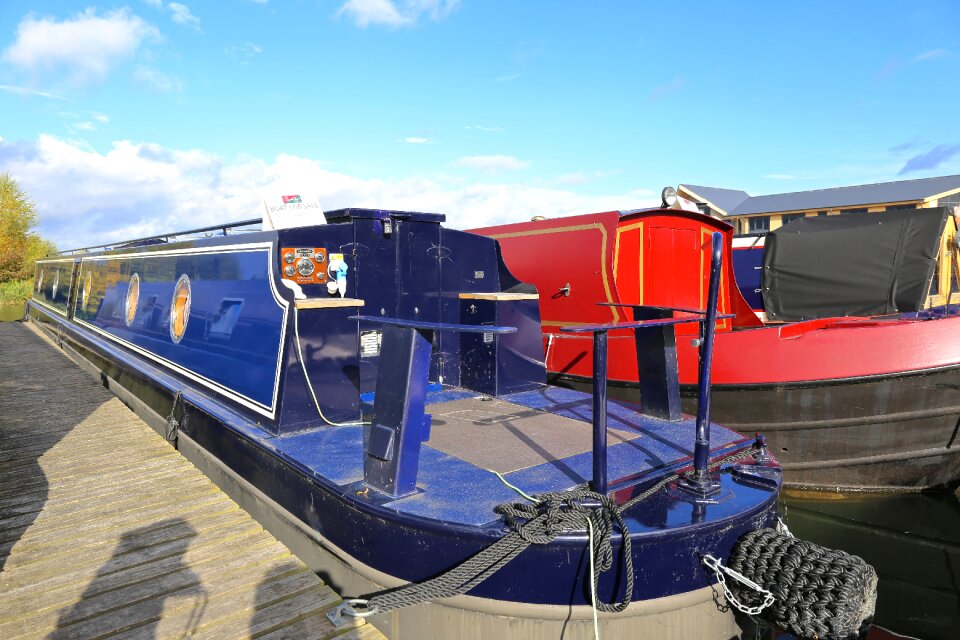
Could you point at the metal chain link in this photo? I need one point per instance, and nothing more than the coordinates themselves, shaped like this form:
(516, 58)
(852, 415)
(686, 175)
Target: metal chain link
(720, 571)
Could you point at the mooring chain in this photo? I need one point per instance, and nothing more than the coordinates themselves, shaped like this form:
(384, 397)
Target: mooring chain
(173, 425)
(550, 515)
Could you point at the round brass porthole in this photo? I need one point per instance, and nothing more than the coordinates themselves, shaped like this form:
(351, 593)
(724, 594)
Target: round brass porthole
(56, 283)
(133, 298)
(180, 309)
(87, 283)
(40, 281)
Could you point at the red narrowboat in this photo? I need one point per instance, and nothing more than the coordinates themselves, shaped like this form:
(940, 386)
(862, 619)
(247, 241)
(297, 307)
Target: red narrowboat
(867, 398)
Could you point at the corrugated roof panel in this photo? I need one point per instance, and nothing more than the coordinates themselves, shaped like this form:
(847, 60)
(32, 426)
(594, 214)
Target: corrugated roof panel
(866, 194)
(726, 199)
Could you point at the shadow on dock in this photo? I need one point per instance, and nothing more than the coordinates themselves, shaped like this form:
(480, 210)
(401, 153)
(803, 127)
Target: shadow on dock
(91, 603)
(31, 423)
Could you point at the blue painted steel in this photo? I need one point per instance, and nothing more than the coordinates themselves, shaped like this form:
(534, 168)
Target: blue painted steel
(393, 443)
(748, 272)
(434, 326)
(700, 480)
(399, 423)
(402, 265)
(666, 542)
(234, 335)
(599, 480)
(54, 284)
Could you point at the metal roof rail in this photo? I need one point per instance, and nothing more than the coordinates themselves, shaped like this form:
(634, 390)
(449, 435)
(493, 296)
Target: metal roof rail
(166, 237)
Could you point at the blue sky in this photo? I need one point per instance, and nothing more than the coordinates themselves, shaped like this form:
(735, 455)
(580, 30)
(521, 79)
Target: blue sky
(128, 118)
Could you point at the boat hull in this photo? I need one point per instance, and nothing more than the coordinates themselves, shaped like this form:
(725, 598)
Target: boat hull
(318, 525)
(895, 432)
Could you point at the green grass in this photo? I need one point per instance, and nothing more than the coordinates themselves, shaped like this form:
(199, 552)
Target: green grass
(15, 291)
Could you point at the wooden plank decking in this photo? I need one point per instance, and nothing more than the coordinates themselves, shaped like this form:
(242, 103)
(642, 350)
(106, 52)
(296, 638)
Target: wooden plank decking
(107, 531)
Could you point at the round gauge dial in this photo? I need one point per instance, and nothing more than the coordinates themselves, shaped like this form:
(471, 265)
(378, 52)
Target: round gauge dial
(289, 258)
(305, 266)
(290, 270)
(319, 257)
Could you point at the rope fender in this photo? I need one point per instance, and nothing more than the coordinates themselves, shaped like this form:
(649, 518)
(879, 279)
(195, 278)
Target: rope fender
(806, 589)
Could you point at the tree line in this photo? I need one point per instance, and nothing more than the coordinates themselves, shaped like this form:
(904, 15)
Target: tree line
(20, 246)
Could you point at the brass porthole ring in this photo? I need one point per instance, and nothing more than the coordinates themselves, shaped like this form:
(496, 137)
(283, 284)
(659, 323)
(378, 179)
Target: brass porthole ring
(133, 299)
(180, 309)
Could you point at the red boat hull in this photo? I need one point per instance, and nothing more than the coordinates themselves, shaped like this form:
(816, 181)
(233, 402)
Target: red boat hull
(846, 403)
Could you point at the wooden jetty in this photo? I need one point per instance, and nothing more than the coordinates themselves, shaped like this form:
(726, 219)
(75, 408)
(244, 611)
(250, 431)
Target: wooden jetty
(107, 531)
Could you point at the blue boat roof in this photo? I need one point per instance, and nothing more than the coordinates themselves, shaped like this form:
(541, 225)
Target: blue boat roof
(344, 215)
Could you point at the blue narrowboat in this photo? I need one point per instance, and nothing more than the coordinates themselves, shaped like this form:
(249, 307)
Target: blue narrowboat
(374, 388)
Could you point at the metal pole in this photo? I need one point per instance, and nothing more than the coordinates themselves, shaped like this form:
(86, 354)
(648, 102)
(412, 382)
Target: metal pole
(701, 451)
(599, 483)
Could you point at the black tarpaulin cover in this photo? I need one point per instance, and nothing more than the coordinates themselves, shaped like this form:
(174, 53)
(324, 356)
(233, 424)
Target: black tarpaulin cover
(857, 265)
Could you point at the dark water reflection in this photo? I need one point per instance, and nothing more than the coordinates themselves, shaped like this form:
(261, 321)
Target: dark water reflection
(912, 540)
(11, 312)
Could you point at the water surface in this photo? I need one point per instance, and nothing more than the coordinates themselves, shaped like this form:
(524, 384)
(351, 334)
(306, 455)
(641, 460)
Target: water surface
(912, 540)
(11, 312)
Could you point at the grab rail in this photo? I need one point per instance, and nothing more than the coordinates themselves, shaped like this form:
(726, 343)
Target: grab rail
(699, 480)
(223, 228)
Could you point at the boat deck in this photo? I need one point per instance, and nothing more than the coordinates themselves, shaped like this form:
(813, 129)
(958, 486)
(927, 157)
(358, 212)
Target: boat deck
(540, 441)
(106, 530)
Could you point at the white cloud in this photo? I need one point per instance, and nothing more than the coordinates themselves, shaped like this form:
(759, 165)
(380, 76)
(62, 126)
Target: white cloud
(154, 3)
(181, 14)
(492, 163)
(582, 177)
(415, 140)
(26, 91)
(245, 52)
(157, 80)
(88, 45)
(86, 197)
(933, 54)
(102, 118)
(387, 13)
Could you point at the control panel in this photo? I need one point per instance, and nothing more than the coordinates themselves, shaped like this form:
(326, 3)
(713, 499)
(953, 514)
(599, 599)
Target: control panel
(304, 265)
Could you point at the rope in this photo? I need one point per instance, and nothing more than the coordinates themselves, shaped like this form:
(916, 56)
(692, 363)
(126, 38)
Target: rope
(541, 522)
(815, 592)
(306, 376)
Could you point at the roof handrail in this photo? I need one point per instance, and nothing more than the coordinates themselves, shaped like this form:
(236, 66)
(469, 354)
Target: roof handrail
(166, 237)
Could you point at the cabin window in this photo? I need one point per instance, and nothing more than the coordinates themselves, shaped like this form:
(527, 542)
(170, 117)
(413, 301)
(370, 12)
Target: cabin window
(40, 281)
(180, 309)
(901, 207)
(935, 281)
(759, 223)
(226, 318)
(56, 283)
(790, 217)
(133, 299)
(847, 212)
(87, 283)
